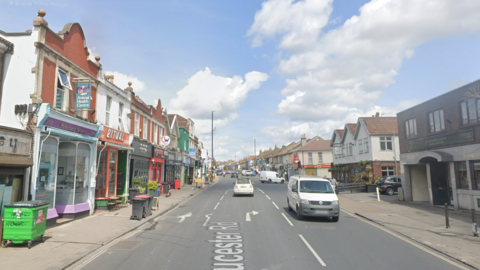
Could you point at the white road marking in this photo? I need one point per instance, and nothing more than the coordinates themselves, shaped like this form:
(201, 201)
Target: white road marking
(208, 218)
(275, 205)
(411, 242)
(215, 208)
(291, 224)
(248, 215)
(261, 191)
(222, 197)
(226, 192)
(182, 217)
(268, 197)
(312, 250)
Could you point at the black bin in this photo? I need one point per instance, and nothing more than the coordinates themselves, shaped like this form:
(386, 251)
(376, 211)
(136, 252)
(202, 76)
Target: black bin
(138, 208)
(166, 189)
(148, 203)
(190, 180)
(132, 192)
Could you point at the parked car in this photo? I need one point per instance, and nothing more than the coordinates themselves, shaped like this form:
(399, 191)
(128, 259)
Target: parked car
(271, 177)
(243, 186)
(243, 172)
(390, 184)
(248, 173)
(312, 196)
(219, 172)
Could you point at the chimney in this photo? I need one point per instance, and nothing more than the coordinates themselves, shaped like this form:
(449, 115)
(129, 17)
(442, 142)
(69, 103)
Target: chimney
(377, 114)
(304, 139)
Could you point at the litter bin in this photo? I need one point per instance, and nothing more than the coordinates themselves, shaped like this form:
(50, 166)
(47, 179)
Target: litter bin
(190, 180)
(148, 203)
(132, 192)
(166, 189)
(138, 208)
(177, 184)
(24, 222)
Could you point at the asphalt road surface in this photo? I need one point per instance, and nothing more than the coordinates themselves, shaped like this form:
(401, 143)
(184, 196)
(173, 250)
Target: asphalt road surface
(215, 230)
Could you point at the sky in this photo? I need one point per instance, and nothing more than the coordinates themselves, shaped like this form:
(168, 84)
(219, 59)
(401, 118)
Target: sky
(273, 70)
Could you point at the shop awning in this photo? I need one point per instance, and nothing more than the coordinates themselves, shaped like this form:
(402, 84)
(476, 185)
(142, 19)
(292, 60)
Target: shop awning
(119, 146)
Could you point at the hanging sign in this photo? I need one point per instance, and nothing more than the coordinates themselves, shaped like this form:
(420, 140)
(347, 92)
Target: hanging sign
(165, 140)
(82, 96)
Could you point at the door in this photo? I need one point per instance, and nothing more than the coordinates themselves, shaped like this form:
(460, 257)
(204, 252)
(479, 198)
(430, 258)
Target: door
(438, 173)
(294, 194)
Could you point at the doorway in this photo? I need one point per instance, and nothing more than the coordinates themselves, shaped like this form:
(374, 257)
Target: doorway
(440, 185)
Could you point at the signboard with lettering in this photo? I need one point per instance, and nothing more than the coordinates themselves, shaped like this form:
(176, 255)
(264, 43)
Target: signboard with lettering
(82, 95)
(141, 148)
(192, 152)
(165, 140)
(451, 138)
(159, 153)
(116, 136)
(55, 123)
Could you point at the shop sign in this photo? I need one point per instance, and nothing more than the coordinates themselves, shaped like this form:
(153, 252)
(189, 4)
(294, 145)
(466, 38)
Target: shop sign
(82, 96)
(142, 148)
(324, 166)
(113, 135)
(173, 162)
(456, 137)
(18, 143)
(192, 152)
(55, 123)
(310, 166)
(159, 153)
(165, 140)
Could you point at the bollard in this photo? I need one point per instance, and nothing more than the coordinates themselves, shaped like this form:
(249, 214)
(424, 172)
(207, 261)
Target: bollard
(378, 193)
(447, 221)
(474, 224)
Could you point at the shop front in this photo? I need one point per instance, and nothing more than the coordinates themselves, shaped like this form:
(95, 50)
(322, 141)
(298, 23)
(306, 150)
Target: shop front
(140, 164)
(64, 169)
(15, 163)
(186, 164)
(157, 165)
(172, 167)
(310, 170)
(112, 165)
(191, 170)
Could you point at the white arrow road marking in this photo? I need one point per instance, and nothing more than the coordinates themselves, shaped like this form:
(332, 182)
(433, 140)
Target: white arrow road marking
(208, 218)
(248, 215)
(287, 219)
(312, 250)
(182, 218)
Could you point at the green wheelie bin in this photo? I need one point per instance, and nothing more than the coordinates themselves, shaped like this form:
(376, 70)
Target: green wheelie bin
(24, 222)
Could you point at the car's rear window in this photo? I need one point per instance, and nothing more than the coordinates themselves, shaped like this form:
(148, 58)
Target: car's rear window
(243, 181)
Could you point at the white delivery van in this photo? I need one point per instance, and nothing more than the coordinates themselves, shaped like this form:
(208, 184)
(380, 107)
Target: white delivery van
(312, 196)
(271, 177)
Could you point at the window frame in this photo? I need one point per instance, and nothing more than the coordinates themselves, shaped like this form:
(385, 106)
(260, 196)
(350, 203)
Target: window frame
(432, 121)
(155, 133)
(145, 128)
(120, 114)
(360, 146)
(366, 148)
(385, 142)
(137, 124)
(475, 183)
(310, 158)
(388, 170)
(107, 110)
(409, 124)
(457, 175)
(320, 158)
(63, 87)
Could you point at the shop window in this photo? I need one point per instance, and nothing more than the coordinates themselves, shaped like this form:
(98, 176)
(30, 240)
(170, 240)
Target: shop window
(388, 170)
(66, 173)
(436, 121)
(107, 111)
(386, 143)
(47, 175)
(120, 113)
(137, 124)
(112, 172)
(63, 85)
(476, 174)
(11, 186)
(101, 187)
(82, 173)
(411, 128)
(461, 175)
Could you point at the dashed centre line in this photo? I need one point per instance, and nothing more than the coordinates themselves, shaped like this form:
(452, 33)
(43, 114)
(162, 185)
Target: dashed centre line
(275, 205)
(222, 197)
(216, 206)
(313, 251)
(268, 197)
(289, 222)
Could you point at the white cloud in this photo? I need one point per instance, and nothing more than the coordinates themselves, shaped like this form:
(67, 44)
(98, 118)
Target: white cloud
(121, 80)
(206, 92)
(342, 73)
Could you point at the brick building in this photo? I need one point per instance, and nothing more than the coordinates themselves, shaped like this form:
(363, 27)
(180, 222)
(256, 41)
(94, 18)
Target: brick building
(439, 146)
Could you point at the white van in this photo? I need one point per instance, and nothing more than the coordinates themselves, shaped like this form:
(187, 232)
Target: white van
(312, 196)
(271, 177)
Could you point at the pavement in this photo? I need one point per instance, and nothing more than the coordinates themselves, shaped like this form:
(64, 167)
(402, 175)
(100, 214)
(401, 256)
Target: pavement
(66, 244)
(420, 222)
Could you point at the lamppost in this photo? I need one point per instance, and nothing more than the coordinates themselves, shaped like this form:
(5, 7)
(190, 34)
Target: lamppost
(255, 150)
(212, 141)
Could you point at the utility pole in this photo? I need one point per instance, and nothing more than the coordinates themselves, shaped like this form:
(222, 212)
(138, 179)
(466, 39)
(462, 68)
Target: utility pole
(212, 141)
(255, 150)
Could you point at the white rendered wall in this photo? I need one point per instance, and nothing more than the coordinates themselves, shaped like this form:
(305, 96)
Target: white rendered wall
(419, 183)
(361, 136)
(118, 97)
(19, 80)
(385, 155)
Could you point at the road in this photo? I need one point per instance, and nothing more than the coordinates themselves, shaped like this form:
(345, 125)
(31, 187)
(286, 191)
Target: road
(215, 230)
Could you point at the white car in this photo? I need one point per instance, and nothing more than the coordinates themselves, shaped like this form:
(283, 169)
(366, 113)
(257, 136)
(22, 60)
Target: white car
(248, 173)
(243, 186)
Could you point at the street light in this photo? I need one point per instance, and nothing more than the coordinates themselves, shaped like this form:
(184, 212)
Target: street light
(255, 150)
(212, 141)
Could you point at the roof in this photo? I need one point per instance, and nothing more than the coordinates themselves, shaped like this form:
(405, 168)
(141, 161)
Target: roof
(316, 145)
(352, 128)
(380, 125)
(340, 132)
